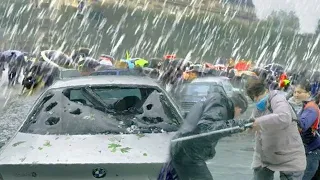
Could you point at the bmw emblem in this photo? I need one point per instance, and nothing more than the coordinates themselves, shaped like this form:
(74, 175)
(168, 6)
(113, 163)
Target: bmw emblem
(99, 173)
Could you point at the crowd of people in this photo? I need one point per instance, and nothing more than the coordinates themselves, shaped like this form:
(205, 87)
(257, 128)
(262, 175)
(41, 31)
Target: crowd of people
(286, 129)
(286, 124)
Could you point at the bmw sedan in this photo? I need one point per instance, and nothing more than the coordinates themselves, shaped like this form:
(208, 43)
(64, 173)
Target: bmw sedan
(110, 127)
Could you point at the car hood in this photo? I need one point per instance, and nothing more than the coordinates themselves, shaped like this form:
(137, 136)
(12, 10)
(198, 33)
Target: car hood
(82, 149)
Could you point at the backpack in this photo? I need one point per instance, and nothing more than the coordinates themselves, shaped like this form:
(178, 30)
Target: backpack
(315, 125)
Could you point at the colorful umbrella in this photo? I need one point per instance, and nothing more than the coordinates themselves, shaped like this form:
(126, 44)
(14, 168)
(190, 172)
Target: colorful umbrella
(141, 62)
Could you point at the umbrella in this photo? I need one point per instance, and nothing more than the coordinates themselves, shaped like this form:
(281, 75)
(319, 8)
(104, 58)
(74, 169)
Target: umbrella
(104, 56)
(274, 67)
(209, 65)
(242, 66)
(141, 62)
(170, 56)
(129, 62)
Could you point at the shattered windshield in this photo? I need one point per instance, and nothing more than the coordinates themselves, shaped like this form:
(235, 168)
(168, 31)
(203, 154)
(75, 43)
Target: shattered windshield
(102, 110)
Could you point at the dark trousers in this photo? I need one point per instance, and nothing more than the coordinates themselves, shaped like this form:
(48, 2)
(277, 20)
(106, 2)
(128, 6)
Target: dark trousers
(192, 170)
(317, 175)
(313, 160)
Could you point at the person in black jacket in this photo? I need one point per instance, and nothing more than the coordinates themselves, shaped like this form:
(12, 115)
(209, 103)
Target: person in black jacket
(189, 157)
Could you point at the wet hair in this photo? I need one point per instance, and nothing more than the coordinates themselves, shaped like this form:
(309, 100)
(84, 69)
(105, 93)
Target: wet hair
(305, 85)
(239, 100)
(255, 87)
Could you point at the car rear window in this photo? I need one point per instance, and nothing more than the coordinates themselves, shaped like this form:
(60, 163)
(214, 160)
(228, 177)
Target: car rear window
(102, 110)
(201, 89)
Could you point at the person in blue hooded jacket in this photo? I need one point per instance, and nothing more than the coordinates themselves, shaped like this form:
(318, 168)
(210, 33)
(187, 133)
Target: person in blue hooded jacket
(309, 128)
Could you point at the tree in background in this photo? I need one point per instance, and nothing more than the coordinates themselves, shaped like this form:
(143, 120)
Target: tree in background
(318, 27)
(247, 3)
(282, 19)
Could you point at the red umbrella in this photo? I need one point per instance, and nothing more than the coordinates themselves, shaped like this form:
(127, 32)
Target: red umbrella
(242, 66)
(209, 65)
(170, 56)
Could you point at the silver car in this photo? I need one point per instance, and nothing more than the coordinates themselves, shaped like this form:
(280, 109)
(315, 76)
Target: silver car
(110, 127)
(217, 80)
(199, 89)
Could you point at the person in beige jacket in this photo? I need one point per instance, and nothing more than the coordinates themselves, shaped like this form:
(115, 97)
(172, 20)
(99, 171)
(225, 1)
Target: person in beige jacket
(278, 144)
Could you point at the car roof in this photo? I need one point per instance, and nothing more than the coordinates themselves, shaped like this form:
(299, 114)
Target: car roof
(104, 80)
(210, 79)
(112, 69)
(69, 70)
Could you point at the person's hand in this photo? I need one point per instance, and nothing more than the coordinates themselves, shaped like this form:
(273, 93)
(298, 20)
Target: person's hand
(256, 126)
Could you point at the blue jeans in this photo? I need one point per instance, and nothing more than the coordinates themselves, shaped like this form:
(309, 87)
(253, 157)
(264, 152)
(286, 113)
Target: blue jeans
(267, 174)
(313, 159)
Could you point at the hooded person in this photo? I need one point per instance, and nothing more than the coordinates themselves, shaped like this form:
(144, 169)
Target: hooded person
(16, 62)
(188, 158)
(40, 74)
(309, 127)
(3, 61)
(79, 54)
(278, 145)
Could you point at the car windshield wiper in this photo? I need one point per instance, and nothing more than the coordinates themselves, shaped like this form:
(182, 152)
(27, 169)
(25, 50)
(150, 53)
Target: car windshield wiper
(95, 100)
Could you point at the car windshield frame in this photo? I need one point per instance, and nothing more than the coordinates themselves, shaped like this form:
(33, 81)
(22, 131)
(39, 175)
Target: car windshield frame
(227, 86)
(167, 103)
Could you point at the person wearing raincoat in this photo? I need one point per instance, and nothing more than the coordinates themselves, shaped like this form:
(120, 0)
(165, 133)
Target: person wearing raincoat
(2, 64)
(309, 127)
(188, 158)
(87, 65)
(80, 54)
(278, 145)
(40, 74)
(16, 62)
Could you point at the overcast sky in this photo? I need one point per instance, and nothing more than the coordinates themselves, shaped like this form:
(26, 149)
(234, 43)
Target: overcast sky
(308, 11)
